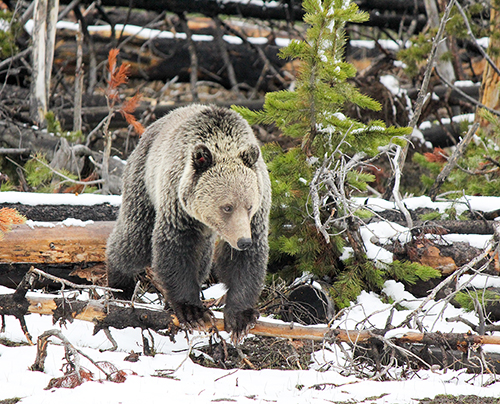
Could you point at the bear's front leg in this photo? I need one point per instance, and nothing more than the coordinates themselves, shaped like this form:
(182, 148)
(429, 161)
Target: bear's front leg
(180, 260)
(243, 273)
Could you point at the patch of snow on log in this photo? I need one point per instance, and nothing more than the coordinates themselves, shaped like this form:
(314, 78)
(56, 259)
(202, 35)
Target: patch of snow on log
(479, 203)
(29, 198)
(150, 33)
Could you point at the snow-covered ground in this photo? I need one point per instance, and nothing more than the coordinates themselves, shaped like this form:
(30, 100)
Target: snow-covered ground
(192, 383)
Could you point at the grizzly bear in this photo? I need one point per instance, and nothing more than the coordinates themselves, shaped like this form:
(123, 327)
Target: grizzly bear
(197, 175)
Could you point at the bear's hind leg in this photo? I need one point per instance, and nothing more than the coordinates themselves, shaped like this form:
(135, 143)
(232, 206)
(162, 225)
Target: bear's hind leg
(129, 249)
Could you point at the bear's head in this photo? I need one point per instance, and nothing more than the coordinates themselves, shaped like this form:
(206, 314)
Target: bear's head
(223, 192)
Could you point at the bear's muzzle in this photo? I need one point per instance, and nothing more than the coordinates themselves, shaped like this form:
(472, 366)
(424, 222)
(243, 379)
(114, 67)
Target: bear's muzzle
(244, 243)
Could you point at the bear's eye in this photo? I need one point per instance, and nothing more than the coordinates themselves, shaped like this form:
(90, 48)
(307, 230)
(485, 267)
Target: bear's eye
(227, 208)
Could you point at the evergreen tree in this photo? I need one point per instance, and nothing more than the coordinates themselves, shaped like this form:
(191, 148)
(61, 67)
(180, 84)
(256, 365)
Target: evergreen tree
(330, 160)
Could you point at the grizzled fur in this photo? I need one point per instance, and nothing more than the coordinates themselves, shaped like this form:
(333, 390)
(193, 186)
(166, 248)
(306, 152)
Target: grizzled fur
(196, 174)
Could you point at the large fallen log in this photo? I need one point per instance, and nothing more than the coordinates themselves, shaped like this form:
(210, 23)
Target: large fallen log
(63, 244)
(56, 244)
(288, 11)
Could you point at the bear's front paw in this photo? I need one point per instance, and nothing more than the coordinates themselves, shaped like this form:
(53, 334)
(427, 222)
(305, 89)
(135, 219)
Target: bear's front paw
(192, 315)
(240, 322)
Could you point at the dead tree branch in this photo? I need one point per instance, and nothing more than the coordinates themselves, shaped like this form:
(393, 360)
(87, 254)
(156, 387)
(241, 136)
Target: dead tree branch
(118, 315)
(108, 313)
(452, 161)
(471, 36)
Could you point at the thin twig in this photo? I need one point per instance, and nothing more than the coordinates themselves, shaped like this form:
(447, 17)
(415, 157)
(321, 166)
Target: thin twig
(66, 178)
(466, 96)
(452, 161)
(77, 113)
(65, 282)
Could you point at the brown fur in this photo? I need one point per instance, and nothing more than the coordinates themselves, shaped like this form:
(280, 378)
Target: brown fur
(196, 174)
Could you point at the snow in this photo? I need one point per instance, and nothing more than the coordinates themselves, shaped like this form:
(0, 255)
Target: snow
(192, 383)
(479, 281)
(326, 380)
(27, 198)
(484, 42)
(382, 232)
(384, 43)
(445, 121)
(391, 83)
(149, 33)
(481, 203)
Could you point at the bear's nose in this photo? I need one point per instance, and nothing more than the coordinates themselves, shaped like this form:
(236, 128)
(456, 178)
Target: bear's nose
(244, 243)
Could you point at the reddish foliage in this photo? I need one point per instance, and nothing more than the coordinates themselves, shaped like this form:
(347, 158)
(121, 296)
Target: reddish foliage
(437, 156)
(120, 376)
(8, 217)
(131, 104)
(117, 77)
(70, 381)
(127, 108)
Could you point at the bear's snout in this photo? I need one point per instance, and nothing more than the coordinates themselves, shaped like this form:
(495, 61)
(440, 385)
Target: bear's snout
(244, 243)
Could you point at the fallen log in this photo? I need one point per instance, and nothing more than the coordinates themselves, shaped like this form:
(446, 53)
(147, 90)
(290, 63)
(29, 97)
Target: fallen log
(58, 213)
(62, 244)
(93, 115)
(56, 244)
(288, 11)
(167, 58)
(109, 313)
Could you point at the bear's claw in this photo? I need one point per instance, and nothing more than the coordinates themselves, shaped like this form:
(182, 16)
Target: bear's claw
(192, 316)
(240, 322)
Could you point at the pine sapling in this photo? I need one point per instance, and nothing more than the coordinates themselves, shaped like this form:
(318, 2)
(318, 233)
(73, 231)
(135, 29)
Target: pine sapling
(313, 184)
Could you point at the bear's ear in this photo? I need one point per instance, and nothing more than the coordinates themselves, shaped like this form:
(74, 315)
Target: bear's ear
(202, 158)
(250, 155)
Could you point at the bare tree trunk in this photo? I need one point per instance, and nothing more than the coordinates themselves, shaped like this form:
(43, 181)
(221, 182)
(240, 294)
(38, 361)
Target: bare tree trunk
(77, 115)
(445, 67)
(225, 56)
(490, 85)
(44, 34)
(193, 73)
